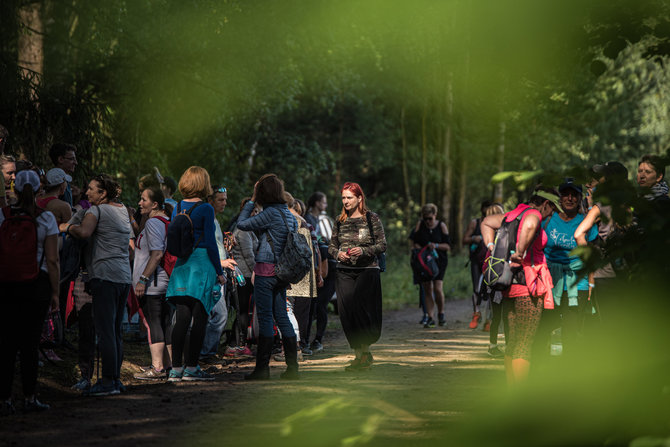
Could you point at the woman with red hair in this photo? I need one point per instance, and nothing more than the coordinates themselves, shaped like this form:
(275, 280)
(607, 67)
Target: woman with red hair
(358, 238)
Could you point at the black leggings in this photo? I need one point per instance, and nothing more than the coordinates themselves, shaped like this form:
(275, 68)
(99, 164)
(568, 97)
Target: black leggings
(188, 309)
(25, 306)
(158, 317)
(324, 294)
(243, 297)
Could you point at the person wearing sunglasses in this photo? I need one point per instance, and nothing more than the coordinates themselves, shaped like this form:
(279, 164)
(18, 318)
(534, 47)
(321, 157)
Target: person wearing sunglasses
(434, 233)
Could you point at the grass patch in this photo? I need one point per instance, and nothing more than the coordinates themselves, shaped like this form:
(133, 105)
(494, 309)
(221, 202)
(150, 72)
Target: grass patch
(400, 292)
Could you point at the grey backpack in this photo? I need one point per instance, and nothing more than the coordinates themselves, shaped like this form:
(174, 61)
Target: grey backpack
(294, 262)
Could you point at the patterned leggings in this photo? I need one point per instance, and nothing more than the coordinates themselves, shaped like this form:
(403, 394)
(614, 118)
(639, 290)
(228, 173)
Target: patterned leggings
(521, 315)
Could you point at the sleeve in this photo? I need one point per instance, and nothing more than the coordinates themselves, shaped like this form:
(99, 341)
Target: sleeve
(209, 237)
(334, 245)
(260, 221)
(380, 237)
(246, 244)
(95, 210)
(154, 232)
(50, 223)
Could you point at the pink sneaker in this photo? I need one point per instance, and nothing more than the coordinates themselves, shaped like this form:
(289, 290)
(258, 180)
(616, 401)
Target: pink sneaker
(244, 352)
(231, 351)
(51, 355)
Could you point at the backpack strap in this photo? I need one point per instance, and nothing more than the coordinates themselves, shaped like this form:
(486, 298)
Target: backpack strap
(267, 235)
(372, 231)
(188, 213)
(166, 222)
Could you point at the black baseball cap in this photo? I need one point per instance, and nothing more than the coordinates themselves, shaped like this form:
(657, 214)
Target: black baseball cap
(611, 170)
(569, 183)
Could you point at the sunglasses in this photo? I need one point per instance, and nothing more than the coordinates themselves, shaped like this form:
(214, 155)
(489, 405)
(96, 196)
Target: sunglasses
(429, 218)
(220, 190)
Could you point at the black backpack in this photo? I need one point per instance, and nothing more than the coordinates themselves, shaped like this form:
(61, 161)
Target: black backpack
(498, 273)
(180, 240)
(294, 262)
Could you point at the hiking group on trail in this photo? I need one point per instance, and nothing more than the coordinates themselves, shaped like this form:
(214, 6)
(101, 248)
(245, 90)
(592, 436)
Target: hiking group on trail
(81, 257)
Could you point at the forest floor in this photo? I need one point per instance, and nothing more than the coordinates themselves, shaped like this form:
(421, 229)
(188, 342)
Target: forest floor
(423, 384)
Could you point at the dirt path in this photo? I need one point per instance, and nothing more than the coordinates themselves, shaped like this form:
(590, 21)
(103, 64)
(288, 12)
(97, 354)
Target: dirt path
(423, 380)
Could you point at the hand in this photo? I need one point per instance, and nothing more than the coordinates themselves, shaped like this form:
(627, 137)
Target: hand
(228, 264)
(342, 256)
(356, 251)
(516, 259)
(54, 301)
(319, 279)
(221, 279)
(140, 288)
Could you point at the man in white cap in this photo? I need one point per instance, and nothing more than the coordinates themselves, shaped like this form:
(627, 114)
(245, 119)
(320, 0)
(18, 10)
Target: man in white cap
(56, 183)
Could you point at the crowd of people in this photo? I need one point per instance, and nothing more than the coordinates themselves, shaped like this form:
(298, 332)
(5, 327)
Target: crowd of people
(189, 280)
(77, 251)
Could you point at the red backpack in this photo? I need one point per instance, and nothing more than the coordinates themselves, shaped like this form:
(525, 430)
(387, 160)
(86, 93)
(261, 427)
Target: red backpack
(18, 247)
(168, 260)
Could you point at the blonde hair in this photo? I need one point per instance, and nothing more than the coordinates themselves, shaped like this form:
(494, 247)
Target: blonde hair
(429, 209)
(194, 182)
(496, 208)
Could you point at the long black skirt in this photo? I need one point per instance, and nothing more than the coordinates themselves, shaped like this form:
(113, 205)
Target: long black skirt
(359, 303)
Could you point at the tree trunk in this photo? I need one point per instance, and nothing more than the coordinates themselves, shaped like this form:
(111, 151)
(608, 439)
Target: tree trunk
(31, 44)
(498, 190)
(460, 218)
(405, 173)
(424, 155)
(448, 171)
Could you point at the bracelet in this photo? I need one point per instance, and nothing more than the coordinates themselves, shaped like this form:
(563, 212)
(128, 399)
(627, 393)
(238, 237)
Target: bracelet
(144, 279)
(67, 230)
(591, 285)
(490, 243)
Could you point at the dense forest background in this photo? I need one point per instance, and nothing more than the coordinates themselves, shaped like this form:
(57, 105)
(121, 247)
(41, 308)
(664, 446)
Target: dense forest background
(417, 101)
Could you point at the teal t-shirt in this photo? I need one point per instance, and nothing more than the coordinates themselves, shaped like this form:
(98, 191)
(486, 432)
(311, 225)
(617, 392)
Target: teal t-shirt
(561, 240)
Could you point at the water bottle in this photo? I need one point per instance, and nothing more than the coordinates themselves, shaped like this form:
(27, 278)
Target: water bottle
(239, 277)
(216, 292)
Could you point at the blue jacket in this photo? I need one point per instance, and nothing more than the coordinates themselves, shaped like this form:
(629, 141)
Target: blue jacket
(269, 221)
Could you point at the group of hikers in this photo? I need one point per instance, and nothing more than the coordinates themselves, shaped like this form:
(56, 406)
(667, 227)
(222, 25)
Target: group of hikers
(69, 252)
(268, 277)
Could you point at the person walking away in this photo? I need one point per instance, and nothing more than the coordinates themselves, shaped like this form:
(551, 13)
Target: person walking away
(29, 279)
(359, 290)
(522, 307)
(473, 240)
(194, 286)
(431, 232)
(150, 283)
(107, 226)
(272, 225)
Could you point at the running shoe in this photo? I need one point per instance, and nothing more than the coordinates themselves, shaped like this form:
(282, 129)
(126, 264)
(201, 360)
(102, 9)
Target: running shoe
(175, 376)
(244, 351)
(429, 323)
(151, 374)
(496, 352)
(316, 346)
(83, 385)
(441, 320)
(306, 351)
(120, 386)
(424, 319)
(476, 317)
(487, 326)
(196, 375)
(99, 389)
(34, 406)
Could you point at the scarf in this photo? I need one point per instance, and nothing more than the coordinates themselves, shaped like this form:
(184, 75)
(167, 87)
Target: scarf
(658, 190)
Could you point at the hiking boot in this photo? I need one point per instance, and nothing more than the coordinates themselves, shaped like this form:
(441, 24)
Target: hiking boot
(291, 354)
(34, 406)
(429, 323)
(487, 326)
(151, 374)
(476, 317)
(175, 376)
(441, 320)
(84, 384)
(263, 352)
(197, 375)
(99, 389)
(496, 352)
(316, 346)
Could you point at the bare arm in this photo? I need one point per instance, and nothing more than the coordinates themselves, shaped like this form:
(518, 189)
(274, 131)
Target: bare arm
(489, 226)
(586, 224)
(82, 231)
(529, 227)
(468, 238)
(53, 266)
